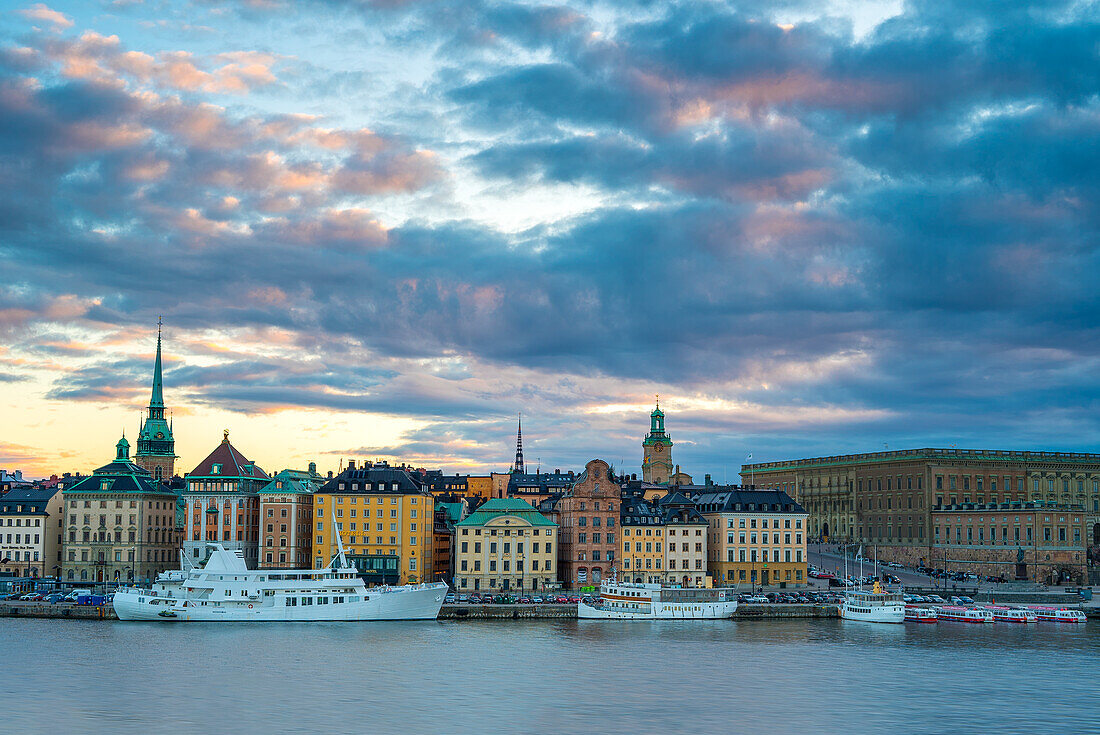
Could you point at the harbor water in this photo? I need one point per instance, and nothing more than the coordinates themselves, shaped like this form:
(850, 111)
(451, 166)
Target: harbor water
(548, 676)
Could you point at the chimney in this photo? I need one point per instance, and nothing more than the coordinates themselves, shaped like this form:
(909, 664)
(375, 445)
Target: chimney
(351, 464)
(313, 468)
(633, 475)
(706, 480)
(330, 474)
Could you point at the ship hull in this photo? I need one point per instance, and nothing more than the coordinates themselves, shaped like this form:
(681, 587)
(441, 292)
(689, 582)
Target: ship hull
(422, 602)
(705, 611)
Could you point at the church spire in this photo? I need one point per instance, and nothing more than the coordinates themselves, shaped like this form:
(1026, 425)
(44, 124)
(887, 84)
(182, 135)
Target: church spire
(157, 400)
(519, 465)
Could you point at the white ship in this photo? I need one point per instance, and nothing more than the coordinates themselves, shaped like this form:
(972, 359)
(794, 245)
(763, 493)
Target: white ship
(639, 601)
(224, 589)
(877, 606)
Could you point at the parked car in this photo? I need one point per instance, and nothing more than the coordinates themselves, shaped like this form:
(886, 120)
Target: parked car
(536, 599)
(757, 599)
(966, 600)
(562, 600)
(936, 599)
(463, 597)
(524, 600)
(54, 598)
(31, 597)
(475, 599)
(450, 598)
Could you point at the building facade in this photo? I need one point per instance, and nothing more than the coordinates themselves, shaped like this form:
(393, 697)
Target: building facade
(222, 500)
(31, 528)
(686, 555)
(886, 498)
(657, 451)
(534, 487)
(588, 518)
(385, 519)
(506, 546)
(156, 447)
(755, 537)
(1015, 540)
(286, 519)
(120, 525)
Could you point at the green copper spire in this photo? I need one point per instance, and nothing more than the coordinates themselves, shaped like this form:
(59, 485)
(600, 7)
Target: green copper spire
(158, 386)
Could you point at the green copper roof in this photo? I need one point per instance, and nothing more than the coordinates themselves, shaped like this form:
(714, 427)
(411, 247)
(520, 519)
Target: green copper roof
(498, 507)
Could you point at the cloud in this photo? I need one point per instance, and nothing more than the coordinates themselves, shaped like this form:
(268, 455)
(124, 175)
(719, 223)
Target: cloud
(806, 239)
(42, 13)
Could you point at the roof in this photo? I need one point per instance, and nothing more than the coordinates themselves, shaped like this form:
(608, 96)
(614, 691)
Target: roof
(734, 499)
(925, 454)
(453, 511)
(292, 482)
(32, 499)
(499, 507)
(373, 479)
(233, 464)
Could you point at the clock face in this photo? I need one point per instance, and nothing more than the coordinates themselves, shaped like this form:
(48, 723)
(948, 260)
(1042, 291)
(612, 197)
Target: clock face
(658, 447)
(160, 435)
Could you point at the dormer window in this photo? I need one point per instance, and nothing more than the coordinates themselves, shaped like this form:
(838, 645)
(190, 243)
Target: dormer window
(216, 469)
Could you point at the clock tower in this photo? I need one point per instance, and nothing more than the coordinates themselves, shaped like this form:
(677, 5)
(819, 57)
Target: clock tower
(657, 450)
(156, 448)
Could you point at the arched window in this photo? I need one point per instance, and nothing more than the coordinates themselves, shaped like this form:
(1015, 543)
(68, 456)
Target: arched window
(83, 574)
(71, 574)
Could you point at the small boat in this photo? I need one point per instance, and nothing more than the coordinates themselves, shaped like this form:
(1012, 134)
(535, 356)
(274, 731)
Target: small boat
(877, 606)
(1055, 614)
(644, 601)
(918, 614)
(1005, 614)
(959, 614)
(166, 614)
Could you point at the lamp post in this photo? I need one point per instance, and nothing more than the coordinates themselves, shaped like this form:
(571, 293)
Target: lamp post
(133, 566)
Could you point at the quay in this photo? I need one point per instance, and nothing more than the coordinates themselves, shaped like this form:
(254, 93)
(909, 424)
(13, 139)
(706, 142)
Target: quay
(14, 609)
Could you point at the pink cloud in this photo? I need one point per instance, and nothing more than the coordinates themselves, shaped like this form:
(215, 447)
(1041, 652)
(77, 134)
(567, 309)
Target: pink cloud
(42, 12)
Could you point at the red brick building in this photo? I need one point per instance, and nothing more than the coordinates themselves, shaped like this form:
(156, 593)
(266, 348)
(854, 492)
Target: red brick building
(588, 515)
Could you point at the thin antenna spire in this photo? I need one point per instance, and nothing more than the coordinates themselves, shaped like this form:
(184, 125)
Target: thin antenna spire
(519, 465)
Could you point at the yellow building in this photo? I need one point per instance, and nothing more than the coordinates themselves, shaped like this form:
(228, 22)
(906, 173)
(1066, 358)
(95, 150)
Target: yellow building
(384, 518)
(480, 486)
(755, 537)
(506, 546)
(663, 541)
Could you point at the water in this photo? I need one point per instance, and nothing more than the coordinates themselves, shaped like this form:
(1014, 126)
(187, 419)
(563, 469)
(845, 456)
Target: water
(781, 676)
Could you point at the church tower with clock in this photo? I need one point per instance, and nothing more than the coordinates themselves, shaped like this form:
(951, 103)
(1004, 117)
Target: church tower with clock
(156, 448)
(657, 450)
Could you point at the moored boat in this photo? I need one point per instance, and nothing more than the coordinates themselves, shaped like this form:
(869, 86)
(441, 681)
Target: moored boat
(1005, 614)
(876, 606)
(645, 601)
(918, 614)
(960, 614)
(1057, 614)
(224, 589)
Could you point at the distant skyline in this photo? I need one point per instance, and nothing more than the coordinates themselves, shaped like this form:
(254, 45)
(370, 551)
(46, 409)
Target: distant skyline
(383, 229)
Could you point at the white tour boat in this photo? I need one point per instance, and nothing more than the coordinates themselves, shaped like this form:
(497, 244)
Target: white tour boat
(1055, 614)
(877, 606)
(918, 614)
(960, 614)
(1005, 614)
(224, 589)
(644, 601)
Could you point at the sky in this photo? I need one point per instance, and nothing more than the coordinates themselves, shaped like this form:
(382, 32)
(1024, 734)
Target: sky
(383, 229)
